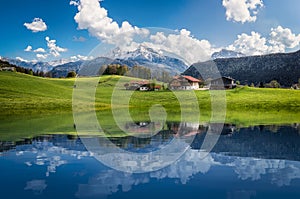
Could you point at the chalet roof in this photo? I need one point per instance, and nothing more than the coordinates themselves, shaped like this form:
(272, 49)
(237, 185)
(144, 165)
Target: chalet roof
(142, 82)
(190, 78)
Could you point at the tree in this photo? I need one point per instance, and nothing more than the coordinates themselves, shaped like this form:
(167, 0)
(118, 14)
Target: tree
(71, 74)
(30, 72)
(261, 85)
(273, 84)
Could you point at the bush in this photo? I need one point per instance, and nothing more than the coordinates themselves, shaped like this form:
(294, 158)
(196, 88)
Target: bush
(273, 84)
(71, 74)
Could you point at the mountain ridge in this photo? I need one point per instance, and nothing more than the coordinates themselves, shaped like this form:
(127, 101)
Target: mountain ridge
(283, 67)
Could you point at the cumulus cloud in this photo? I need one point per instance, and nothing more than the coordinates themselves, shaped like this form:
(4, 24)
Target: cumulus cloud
(283, 38)
(28, 49)
(39, 50)
(94, 18)
(242, 10)
(42, 56)
(255, 44)
(37, 25)
(80, 57)
(183, 44)
(53, 48)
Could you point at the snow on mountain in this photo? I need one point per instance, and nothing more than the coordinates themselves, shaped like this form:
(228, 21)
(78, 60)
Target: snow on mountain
(43, 66)
(142, 52)
(148, 57)
(34, 65)
(226, 54)
(59, 62)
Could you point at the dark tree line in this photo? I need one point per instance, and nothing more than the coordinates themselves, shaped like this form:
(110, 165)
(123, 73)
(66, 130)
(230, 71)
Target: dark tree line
(282, 67)
(139, 72)
(113, 69)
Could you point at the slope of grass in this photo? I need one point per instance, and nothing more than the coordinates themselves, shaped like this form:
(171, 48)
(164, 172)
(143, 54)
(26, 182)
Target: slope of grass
(25, 94)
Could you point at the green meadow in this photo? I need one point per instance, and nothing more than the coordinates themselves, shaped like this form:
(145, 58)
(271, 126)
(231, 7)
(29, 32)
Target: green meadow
(35, 105)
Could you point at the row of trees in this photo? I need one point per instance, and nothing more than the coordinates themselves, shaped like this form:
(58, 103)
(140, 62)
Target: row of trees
(30, 72)
(113, 69)
(135, 71)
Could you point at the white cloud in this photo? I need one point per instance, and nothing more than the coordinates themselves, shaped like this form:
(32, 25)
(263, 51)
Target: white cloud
(254, 44)
(94, 18)
(284, 38)
(39, 50)
(242, 10)
(21, 59)
(183, 44)
(80, 57)
(41, 56)
(28, 49)
(36, 25)
(53, 48)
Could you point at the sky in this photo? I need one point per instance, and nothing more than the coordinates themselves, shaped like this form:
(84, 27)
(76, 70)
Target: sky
(69, 29)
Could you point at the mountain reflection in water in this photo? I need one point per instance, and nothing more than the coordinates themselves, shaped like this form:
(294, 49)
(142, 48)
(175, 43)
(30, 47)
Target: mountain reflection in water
(247, 160)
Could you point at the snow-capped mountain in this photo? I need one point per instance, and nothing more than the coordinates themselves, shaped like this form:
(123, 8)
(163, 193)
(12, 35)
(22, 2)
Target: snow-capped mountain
(148, 57)
(141, 56)
(59, 62)
(34, 65)
(142, 52)
(226, 54)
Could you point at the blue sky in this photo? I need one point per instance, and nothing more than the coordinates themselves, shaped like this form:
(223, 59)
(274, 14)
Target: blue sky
(272, 26)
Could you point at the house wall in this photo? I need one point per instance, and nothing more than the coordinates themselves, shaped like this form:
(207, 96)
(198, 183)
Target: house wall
(144, 88)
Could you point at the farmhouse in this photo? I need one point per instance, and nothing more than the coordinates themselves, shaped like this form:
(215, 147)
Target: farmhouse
(184, 82)
(143, 85)
(222, 82)
(137, 85)
(12, 69)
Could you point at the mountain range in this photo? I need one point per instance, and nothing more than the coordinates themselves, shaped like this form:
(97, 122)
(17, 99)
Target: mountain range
(142, 56)
(283, 67)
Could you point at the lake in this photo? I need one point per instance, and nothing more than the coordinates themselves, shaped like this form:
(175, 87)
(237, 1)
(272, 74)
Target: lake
(246, 162)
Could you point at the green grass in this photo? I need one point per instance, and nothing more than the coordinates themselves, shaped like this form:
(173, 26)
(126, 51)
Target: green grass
(42, 105)
(24, 94)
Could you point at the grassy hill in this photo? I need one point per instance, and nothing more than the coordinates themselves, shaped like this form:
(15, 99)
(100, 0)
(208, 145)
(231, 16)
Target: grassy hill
(23, 95)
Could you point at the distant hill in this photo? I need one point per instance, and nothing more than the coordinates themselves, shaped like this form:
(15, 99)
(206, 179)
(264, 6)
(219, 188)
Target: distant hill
(283, 67)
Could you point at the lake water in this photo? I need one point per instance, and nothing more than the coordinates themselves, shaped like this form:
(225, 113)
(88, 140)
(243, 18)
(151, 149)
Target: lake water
(252, 162)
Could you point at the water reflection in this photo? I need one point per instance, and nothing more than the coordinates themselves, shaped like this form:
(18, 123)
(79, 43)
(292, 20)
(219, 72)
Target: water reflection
(268, 155)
